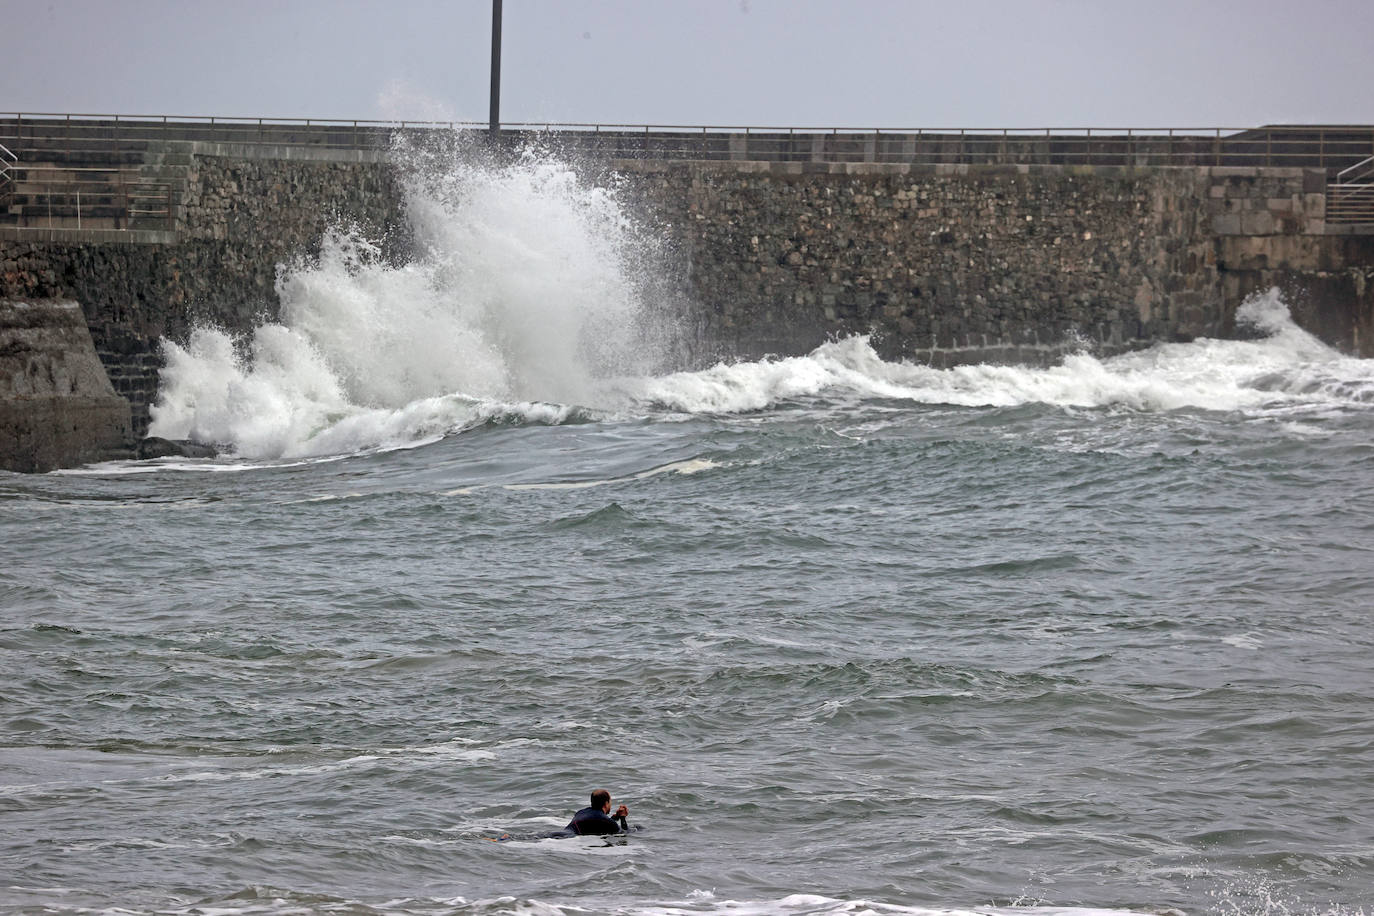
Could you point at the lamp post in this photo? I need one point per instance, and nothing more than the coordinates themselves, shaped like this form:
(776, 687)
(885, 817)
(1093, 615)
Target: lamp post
(494, 124)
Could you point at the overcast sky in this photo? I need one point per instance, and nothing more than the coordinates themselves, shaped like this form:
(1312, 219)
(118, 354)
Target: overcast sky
(800, 63)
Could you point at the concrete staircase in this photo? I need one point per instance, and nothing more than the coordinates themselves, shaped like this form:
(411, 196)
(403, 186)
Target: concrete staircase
(1350, 196)
(54, 182)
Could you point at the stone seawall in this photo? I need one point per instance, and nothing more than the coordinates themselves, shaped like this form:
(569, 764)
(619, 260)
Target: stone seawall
(957, 264)
(944, 264)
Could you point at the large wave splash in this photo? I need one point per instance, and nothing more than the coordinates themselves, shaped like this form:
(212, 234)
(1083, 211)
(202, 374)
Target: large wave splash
(527, 301)
(530, 287)
(1285, 367)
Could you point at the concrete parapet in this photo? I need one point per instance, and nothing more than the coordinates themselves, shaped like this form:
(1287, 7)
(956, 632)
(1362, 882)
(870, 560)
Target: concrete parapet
(88, 236)
(57, 407)
(284, 153)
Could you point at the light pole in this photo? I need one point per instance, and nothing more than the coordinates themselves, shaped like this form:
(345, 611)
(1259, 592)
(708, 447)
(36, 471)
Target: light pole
(494, 124)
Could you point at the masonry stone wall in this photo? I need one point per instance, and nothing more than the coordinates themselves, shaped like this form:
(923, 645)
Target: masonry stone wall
(955, 264)
(944, 264)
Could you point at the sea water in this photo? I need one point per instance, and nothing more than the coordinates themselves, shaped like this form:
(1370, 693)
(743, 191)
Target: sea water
(846, 635)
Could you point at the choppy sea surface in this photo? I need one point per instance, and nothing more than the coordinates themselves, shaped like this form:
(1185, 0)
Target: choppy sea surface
(847, 636)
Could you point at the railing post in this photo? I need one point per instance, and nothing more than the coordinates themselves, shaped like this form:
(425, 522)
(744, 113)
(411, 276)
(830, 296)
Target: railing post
(1216, 148)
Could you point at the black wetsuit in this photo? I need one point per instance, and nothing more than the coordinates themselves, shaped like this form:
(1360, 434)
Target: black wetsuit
(594, 822)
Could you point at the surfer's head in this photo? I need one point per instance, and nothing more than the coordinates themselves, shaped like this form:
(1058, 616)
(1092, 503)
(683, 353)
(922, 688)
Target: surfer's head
(601, 800)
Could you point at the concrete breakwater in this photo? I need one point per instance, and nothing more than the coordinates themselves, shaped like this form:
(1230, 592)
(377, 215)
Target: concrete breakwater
(56, 404)
(944, 264)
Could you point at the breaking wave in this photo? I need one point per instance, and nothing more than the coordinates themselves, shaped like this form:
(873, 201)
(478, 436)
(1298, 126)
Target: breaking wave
(532, 301)
(531, 286)
(1287, 367)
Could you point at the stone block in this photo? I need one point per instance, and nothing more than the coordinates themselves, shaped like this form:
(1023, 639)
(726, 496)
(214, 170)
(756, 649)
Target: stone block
(45, 433)
(1226, 224)
(1257, 222)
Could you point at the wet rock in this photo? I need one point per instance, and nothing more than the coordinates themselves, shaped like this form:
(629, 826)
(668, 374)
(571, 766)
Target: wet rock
(157, 447)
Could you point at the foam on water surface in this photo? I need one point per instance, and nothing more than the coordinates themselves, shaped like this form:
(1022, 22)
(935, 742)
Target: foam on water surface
(531, 301)
(1287, 368)
(525, 293)
(288, 401)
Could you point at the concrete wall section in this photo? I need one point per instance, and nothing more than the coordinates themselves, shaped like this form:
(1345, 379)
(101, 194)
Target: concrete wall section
(1327, 280)
(57, 408)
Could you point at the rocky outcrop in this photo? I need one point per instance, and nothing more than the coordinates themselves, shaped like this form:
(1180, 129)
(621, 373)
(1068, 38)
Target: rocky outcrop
(57, 407)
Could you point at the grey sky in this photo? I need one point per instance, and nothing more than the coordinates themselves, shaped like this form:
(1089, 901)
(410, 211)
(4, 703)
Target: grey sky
(846, 63)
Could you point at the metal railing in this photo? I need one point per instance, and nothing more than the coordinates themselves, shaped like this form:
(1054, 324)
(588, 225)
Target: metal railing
(1362, 171)
(7, 163)
(65, 197)
(1329, 147)
(49, 162)
(1350, 198)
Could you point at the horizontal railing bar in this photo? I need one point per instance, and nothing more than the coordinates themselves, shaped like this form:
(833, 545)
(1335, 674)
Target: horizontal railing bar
(40, 143)
(143, 120)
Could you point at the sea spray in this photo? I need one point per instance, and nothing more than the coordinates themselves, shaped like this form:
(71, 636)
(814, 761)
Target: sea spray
(1285, 368)
(530, 285)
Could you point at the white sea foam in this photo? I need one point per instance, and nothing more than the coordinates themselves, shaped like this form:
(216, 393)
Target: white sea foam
(816, 905)
(1288, 368)
(526, 294)
(527, 297)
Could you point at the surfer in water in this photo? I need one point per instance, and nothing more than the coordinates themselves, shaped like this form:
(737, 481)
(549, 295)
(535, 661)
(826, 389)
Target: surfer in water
(596, 819)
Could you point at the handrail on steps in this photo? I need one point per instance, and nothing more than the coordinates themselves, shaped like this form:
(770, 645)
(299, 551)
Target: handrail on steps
(5, 153)
(1362, 164)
